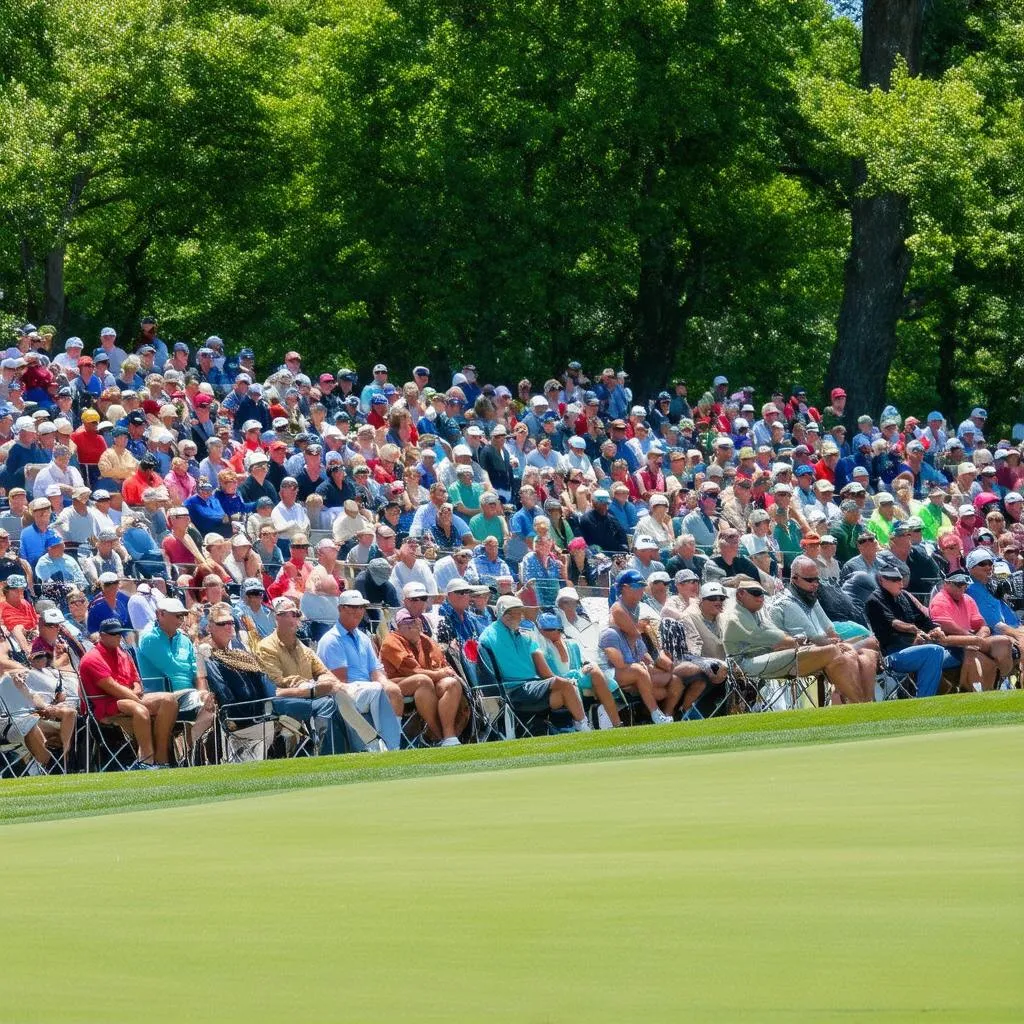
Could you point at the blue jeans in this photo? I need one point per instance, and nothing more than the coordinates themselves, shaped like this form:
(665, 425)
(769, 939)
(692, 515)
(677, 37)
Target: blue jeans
(323, 709)
(925, 662)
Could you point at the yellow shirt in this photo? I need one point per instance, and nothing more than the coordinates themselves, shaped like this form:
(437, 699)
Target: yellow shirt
(117, 465)
(289, 666)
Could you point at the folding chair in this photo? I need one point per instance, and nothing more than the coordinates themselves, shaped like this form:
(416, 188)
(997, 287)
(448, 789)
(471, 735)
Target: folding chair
(184, 746)
(250, 728)
(109, 744)
(511, 715)
(13, 525)
(16, 760)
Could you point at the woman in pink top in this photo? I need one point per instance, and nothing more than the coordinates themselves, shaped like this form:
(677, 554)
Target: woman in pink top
(956, 612)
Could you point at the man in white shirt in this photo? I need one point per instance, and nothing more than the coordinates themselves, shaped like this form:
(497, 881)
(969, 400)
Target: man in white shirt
(59, 473)
(78, 523)
(411, 568)
(289, 517)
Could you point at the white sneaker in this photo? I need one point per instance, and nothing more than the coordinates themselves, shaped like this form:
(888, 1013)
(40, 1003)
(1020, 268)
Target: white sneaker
(452, 741)
(583, 725)
(658, 717)
(603, 721)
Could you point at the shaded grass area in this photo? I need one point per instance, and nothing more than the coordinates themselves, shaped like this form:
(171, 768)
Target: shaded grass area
(47, 797)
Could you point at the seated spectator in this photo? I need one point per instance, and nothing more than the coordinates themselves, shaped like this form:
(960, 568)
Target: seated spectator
(411, 567)
(18, 616)
(686, 586)
(236, 676)
(458, 564)
(763, 649)
(526, 676)
(53, 687)
(168, 661)
(577, 625)
(108, 603)
(106, 559)
(110, 681)
(565, 657)
(626, 659)
(295, 571)
(599, 528)
(911, 642)
(685, 556)
(454, 621)
(998, 615)
(543, 571)
(57, 565)
(249, 609)
(488, 563)
(580, 566)
(347, 652)
(142, 607)
(728, 563)
(242, 562)
(955, 611)
(35, 538)
(798, 613)
(417, 665)
(644, 559)
(489, 522)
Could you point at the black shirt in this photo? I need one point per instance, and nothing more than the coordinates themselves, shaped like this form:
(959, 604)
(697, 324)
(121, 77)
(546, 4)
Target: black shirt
(881, 608)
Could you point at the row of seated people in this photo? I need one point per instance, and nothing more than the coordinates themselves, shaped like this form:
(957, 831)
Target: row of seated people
(555, 659)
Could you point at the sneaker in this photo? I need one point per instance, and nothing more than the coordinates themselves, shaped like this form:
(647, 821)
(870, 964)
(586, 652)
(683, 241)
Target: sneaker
(452, 741)
(583, 725)
(658, 717)
(603, 719)
(141, 766)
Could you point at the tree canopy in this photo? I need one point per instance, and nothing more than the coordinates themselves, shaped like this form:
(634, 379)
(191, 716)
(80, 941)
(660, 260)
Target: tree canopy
(665, 185)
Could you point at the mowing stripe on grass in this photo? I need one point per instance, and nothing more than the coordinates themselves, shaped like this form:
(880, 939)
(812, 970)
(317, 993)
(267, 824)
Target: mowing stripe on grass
(47, 797)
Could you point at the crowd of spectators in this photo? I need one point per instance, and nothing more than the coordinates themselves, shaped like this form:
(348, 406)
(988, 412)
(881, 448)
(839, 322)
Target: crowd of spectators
(180, 533)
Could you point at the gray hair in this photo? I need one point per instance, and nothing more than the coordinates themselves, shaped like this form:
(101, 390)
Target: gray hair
(800, 564)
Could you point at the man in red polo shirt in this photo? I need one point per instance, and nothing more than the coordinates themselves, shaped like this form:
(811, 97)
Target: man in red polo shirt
(112, 685)
(90, 444)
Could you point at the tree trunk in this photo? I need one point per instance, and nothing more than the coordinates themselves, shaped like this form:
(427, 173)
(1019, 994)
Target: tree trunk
(879, 261)
(53, 289)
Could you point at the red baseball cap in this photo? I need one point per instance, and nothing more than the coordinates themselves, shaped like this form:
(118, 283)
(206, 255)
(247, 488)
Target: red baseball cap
(838, 393)
(326, 378)
(202, 399)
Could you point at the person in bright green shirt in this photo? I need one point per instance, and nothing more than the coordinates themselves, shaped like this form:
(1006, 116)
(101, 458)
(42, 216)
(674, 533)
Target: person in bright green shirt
(880, 523)
(933, 516)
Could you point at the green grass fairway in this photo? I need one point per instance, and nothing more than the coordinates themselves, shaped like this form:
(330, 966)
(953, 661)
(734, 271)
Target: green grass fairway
(870, 880)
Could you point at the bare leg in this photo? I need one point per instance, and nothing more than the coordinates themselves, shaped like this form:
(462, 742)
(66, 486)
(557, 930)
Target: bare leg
(448, 705)
(164, 708)
(636, 677)
(603, 693)
(421, 689)
(142, 725)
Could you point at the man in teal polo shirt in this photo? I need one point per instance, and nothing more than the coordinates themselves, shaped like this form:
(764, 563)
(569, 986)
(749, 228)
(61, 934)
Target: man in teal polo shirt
(522, 668)
(168, 661)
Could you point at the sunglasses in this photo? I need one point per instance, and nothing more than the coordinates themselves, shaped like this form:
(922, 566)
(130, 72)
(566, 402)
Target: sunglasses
(226, 622)
(754, 593)
(416, 599)
(717, 600)
(292, 614)
(300, 545)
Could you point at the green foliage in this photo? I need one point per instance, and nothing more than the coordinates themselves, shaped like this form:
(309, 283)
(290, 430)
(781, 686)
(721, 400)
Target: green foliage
(660, 184)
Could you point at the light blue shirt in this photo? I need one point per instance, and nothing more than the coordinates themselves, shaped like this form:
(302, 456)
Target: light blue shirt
(354, 652)
(163, 657)
(47, 568)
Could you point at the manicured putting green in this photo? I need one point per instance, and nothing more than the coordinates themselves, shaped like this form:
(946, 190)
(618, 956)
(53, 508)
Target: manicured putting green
(871, 880)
